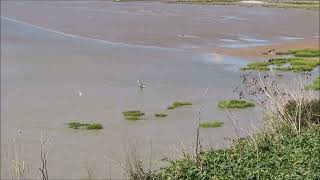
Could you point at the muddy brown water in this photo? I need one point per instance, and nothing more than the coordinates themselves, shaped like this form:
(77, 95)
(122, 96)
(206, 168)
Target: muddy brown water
(51, 50)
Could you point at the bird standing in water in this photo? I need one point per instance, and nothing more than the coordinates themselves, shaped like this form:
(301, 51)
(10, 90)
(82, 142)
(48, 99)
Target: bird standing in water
(141, 85)
(80, 93)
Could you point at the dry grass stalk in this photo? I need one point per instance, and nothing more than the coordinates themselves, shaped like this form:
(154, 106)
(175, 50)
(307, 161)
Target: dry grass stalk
(18, 168)
(274, 96)
(198, 145)
(46, 145)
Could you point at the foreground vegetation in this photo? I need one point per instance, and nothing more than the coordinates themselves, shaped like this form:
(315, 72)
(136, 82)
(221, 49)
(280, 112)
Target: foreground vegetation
(315, 84)
(297, 156)
(235, 104)
(288, 146)
(88, 126)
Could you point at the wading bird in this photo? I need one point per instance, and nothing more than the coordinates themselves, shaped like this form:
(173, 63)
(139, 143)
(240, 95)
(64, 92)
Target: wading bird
(141, 85)
(80, 93)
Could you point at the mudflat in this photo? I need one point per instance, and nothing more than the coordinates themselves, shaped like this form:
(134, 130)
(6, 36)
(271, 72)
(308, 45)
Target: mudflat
(196, 27)
(52, 50)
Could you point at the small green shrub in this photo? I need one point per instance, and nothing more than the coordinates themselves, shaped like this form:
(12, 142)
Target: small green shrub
(179, 104)
(211, 124)
(133, 115)
(77, 125)
(235, 104)
(160, 115)
(315, 85)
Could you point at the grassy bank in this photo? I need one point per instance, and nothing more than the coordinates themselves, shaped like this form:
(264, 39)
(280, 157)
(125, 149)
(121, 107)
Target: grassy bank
(297, 156)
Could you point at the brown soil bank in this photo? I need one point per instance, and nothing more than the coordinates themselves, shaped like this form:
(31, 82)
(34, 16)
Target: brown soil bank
(258, 51)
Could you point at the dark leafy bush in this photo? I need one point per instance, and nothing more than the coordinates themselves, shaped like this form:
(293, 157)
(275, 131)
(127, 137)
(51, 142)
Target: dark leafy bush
(310, 111)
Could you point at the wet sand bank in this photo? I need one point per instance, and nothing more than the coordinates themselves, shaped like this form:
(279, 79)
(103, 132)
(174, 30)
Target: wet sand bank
(191, 27)
(51, 50)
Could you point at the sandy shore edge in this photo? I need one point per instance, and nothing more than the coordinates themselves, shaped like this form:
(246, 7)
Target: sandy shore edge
(256, 52)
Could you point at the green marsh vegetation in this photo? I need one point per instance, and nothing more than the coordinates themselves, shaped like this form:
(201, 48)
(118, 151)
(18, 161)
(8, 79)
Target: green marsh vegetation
(133, 115)
(179, 104)
(160, 115)
(287, 147)
(235, 103)
(303, 60)
(305, 52)
(211, 2)
(211, 124)
(308, 5)
(88, 126)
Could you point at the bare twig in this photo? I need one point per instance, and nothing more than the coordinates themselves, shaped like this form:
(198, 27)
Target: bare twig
(46, 146)
(198, 126)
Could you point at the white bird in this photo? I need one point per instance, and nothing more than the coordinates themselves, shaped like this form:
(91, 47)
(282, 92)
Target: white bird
(80, 93)
(20, 132)
(141, 85)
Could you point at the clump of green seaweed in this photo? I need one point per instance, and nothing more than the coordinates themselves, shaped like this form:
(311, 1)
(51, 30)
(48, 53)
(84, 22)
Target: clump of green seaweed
(88, 126)
(133, 115)
(179, 104)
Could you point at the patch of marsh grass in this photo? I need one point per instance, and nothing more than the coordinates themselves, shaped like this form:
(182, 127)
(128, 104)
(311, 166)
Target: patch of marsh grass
(295, 64)
(306, 52)
(211, 124)
(160, 115)
(94, 126)
(179, 104)
(235, 104)
(88, 126)
(301, 5)
(315, 84)
(262, 66)
(133, 115)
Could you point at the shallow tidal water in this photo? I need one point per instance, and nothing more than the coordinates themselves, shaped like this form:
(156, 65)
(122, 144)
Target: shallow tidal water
(42, 71)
